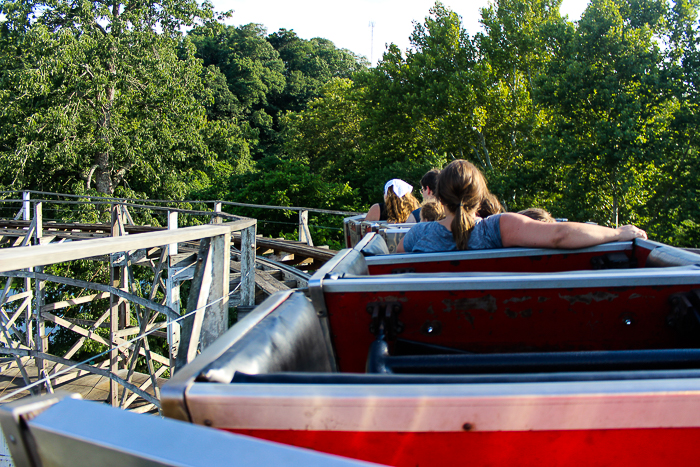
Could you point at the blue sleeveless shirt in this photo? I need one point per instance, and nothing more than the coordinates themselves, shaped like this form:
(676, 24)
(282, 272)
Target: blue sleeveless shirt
(427, 237)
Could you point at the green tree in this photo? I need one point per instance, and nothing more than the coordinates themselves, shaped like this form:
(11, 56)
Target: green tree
(326, 135)
(519, 40)
(608, 95)
(308, 65)
(421, 109)
(98, 95)
(674, 207)
(254, 74)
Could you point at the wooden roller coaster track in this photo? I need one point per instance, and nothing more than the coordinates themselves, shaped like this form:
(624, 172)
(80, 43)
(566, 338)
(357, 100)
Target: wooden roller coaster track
(253, 268)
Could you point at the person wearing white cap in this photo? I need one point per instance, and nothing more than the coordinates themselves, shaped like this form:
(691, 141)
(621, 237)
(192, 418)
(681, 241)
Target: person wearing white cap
(398, 203)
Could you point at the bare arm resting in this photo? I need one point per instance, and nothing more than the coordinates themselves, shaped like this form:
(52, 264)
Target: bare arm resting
(400, 248)
(374, 213)
(518, 230)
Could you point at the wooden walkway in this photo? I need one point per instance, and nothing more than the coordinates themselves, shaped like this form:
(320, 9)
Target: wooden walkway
(90, 386)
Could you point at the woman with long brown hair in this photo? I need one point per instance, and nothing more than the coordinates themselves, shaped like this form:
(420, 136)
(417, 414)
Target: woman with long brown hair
(461, 188)
(398, 203)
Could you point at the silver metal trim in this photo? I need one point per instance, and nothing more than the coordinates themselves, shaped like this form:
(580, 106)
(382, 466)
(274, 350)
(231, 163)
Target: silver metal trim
(665, 256)
(652, 403)
(316, 282)
(74, 433)
(398, 391)
(647, 244)
(515, 281)
(405, 258)
(13, 418)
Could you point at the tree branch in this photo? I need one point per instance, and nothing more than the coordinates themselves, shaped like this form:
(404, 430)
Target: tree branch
(89, 176)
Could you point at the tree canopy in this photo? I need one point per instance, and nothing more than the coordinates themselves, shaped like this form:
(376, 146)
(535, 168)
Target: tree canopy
(593, 120)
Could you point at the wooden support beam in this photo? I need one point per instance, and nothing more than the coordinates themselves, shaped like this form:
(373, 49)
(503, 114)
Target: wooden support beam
(304, 233)
(12, 259)
(215, 321)
(248, 241)
(264, 280)
(114, 279)
(75, 301)
(190, 327)
(217, 208)
(40, 339)
(172, 294)
(94, 286)
(209, 296)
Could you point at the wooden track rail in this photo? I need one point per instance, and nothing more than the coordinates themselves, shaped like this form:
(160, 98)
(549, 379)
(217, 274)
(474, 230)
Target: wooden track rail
(302, 251)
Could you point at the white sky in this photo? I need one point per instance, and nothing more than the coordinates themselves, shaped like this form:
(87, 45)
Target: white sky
(346, 23)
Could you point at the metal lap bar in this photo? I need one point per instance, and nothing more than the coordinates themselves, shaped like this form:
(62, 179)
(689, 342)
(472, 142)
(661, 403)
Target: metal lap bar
(660, 359)
(60, 431)
(333, 379)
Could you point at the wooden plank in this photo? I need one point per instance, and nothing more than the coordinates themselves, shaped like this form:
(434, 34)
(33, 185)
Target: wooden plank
(16, 296)
(72, 351)
(215, 321)
(137, 330)
(12, 259)
(191, 326)
(265, 281)
(96, 337)
(81, 366)
(16, 315)
(75, 328)
(248, 242)
(144, 386)
(291, 247)
(74, 301)
(121, 333)
(94, 286)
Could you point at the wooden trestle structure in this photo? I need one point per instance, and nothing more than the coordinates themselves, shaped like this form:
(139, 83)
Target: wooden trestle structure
(219, 260)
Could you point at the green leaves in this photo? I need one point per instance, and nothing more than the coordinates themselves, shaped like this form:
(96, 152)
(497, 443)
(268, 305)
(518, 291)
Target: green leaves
(108, 96)
(594, 120)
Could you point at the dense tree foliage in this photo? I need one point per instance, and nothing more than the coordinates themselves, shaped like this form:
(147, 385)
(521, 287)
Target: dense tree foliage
(101, 95)
(594, 120)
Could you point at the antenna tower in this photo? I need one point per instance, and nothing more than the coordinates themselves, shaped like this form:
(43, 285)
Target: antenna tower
(371, 45)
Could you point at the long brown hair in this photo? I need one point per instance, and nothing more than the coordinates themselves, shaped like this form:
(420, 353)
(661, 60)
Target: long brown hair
(398, 209)
(460, 188)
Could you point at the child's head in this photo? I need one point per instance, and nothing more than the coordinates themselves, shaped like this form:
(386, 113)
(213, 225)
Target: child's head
(489, 206)
(538, 215)
(431, 211)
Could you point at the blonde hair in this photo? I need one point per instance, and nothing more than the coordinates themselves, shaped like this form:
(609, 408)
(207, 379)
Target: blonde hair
(461, 188)
(538, 215)
(398, 209)
(431, 211)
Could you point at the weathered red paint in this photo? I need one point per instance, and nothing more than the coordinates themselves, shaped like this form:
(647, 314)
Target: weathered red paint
(512, 320)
